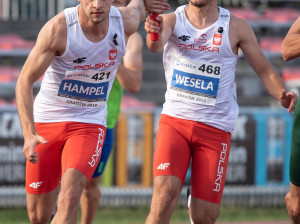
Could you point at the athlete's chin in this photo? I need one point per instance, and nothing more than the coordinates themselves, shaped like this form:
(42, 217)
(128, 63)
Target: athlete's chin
(97, 20)
(199, 3)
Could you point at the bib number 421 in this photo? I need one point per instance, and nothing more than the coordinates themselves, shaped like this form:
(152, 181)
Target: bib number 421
(101, 76)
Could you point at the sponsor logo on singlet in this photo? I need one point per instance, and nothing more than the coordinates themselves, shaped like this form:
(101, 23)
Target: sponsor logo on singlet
(200, 48)
(217, 39)
(201, 39)
(79, 60)
(94, 66)
(113, 54)
(184, 38)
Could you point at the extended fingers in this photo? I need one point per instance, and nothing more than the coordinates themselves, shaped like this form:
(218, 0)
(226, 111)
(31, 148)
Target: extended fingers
(293, 101)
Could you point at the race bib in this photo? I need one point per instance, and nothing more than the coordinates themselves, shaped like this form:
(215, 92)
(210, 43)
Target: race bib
(84, 88)
(195, 81)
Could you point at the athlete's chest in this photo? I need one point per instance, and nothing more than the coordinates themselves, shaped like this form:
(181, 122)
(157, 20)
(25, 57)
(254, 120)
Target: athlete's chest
(200, 43)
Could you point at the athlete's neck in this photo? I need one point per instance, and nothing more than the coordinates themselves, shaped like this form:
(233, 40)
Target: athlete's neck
(202, 17)
(93, 31)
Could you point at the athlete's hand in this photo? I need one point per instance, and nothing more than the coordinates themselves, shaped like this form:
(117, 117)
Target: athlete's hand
(288, 100)
(157, 6)
(152, 26)
(29, 146)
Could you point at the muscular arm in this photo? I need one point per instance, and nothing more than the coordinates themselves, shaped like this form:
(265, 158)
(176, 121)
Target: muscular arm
(49, 44)
(129, 72)
(290, 48)
(256, 59)
(132, 15)
(246, 40)
(164, 26)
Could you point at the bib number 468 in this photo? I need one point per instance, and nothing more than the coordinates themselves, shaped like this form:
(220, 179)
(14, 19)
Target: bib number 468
(210, 69)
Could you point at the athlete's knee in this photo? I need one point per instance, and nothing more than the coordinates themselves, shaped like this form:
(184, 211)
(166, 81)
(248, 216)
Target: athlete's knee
(208, 217)
(69, 198)
(294, 212)
(92, 189)
(36, 217)
(165, 201)
(92, 193)
(165, 198)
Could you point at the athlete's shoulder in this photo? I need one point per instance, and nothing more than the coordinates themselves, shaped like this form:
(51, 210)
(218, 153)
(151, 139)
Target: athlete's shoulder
(57, 25)
(170, 19)
(237, 23)
(116, 12)
(54, 32)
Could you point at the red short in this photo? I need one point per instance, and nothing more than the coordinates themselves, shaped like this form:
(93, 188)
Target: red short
(178, 141)
(70, 145)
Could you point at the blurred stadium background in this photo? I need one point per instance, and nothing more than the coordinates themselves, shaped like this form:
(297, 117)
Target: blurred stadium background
(258, 168)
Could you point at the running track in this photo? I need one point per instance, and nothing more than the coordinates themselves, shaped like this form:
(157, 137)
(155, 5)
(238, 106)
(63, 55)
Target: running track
(245, 222)
(271, 222)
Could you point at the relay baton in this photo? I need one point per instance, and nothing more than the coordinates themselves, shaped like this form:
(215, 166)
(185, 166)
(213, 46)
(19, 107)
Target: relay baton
(154, 36)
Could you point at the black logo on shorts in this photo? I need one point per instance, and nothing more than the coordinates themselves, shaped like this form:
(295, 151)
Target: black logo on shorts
(79, 60)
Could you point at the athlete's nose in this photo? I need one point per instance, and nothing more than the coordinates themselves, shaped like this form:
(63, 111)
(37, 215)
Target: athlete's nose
(97, 4)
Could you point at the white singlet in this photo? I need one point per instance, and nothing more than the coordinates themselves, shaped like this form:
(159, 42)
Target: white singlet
(76, 85)
(200, 71)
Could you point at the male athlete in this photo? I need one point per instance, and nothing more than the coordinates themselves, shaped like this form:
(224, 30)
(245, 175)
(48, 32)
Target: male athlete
(290, 49)
(129, 76)
(79, 50)
(201, 43)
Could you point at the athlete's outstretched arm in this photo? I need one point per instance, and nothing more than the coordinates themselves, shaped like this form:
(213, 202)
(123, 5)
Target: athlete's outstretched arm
(134, 13)
(47, 46)
(130, 71)
(257, 60)
(163, 25)
(290, 48)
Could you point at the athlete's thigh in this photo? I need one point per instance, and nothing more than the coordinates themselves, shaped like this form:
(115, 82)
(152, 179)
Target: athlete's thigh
(44, 176)
(83, 147)
(172, 151)
(295, 149)
(107, 148)
(209, 163)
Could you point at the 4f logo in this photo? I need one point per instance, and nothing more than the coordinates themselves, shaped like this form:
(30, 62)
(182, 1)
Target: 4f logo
(217, 39)
(35, 185)
(79, 60)
(184, 38)
(113, 54)
(163, 166)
